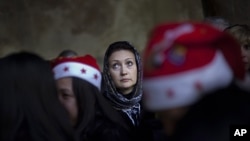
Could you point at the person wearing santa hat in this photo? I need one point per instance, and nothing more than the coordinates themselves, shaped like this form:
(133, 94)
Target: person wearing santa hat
(218, 22)
(67, 53)
(190, 71)
(29, 106)
(241, 32)
(79, 84)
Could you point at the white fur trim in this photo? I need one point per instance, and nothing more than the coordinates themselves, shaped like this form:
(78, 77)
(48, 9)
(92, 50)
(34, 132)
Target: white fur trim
(216, 74)
(75, 69)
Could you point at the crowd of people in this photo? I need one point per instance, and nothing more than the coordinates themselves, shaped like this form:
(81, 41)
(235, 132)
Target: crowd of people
(190, 83)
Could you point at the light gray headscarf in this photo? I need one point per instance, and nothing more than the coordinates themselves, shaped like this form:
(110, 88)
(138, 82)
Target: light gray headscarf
(131, 107)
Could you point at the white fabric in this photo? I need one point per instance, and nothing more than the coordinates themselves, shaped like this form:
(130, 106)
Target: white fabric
(76, 69)
(187, 87)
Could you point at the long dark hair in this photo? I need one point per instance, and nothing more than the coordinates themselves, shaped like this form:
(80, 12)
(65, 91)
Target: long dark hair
(86, 101)
(29, 106)
(91, 105)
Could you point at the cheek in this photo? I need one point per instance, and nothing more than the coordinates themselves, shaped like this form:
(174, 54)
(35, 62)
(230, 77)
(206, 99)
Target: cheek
(248, 53)
(134, 73)
(69, 104)
(71, 107)
(245, 51)
(61, 99)
(114, 75)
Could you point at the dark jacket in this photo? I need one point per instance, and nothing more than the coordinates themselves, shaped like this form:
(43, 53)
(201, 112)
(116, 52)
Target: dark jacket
(210, 119)
(105, 130)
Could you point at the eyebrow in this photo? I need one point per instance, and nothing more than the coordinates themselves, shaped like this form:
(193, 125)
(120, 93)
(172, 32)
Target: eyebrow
(64, 90)
(125, 59)
(129, 58)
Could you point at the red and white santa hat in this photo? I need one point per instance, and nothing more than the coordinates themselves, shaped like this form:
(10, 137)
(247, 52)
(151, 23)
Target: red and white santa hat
(184, 60)
(83, 67)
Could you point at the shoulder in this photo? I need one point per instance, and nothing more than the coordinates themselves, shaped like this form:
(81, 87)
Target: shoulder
(213, 115)
(106, 130)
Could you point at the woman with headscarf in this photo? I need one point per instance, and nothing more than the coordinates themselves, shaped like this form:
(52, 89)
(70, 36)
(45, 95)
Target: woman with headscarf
(122, 74)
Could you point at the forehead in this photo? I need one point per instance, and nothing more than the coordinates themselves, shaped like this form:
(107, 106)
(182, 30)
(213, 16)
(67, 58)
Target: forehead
(121, 55)
(65, 82)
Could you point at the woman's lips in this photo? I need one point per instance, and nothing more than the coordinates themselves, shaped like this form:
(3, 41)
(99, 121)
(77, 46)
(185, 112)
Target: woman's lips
(244, 59)
(125, 80)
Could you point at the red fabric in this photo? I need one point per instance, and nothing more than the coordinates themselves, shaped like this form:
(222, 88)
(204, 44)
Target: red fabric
(87, 60)
(190, 50)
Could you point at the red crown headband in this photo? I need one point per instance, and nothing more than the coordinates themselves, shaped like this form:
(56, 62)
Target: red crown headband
(83, 67)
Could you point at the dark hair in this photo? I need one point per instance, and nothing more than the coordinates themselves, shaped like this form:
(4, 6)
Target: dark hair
(29, 106)
(67, 53)
(92, 104)
(218, 22)
(119, 45)
(241, 32)
(85, 96)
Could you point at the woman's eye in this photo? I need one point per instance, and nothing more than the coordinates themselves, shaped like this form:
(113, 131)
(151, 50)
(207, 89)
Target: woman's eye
(115, 66)
(246, 47)
(64, 95)
(130, 63)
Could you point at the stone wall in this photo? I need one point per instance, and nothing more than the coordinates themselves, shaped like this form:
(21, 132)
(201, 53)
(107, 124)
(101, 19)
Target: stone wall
(235, 11)
(86, 26)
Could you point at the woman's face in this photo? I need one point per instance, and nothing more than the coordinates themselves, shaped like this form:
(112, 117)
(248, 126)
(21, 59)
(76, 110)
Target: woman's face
(123, 70)
(245, 51)
(67, 97)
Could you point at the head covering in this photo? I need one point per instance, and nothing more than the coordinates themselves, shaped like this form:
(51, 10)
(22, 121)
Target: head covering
(67, 53)
(218, 22)
(184, 60)
(83, 67)
(130, 106)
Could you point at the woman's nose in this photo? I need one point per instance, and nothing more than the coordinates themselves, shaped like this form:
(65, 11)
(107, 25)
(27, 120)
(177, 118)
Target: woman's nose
(124, 70)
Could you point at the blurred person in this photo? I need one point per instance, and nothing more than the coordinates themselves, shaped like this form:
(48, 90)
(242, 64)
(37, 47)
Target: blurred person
(67, 53)
(242, 34)
(217, 22)
(79, 84)
(190, 70)
(212, 117)
(29, 107)
(122, 74)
